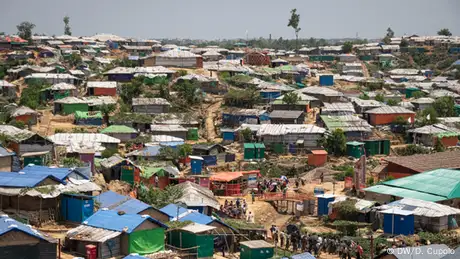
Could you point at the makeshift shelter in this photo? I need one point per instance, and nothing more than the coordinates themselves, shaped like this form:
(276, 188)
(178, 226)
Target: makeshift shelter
(78, 142)
(76, 207)
(354, 127)
(88, 118)
(150, 105)
(27, 144)
(117, 202)
(287, 117)
(62, 90)
(148, 153)
(6, 160)
(170, 130)
(118, 234)
(70, 105)
(194, 239)
(387, 115)
(96, 88)
(118, 168)
(18, 240)
(440, 185)
(338, 109)
(121, 132)
(198, 198)
(429, 216)
(179, 58)
(231, 183)
(277, 136)
(25, 114)
(429, 134)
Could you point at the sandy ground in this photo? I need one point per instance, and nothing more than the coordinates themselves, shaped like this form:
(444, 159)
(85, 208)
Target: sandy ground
(211, 114)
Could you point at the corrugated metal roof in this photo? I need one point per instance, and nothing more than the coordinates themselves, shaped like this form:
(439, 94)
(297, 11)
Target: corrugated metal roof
(404, 71)
(71, 100)
(422, 208)
(337, 107)
(91, 234)
(197, 228)
(60, 173)
(396, 211)
(171, 210)
(427, 162)
(23, 110)
(366, 103)
(23, 180)
(68, 138)
(63, 86)
(8, 224)
(283, 129)
(50, 75)
(150, 101)
(110, 199)
(103, 84)
(442, 92)
(347, 123)
(166, 128)
(100, 100)
(132, 206)
(15, 133)
(285, 114)
(111, 220)
(196, 195)
(390, 110)
(320, 90)
(174, 53)
(111, 161)
(165, 138)
(76, 72)
(435, 129)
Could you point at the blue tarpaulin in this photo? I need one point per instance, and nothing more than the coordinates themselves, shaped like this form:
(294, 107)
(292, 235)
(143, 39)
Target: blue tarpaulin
(111, 220)
(76, 208)
(210, 160)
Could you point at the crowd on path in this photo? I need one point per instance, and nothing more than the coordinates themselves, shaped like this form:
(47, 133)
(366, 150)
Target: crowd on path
(315, 244)
(238, 210)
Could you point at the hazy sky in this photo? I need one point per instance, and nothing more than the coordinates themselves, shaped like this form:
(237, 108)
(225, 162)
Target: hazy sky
(217, 19)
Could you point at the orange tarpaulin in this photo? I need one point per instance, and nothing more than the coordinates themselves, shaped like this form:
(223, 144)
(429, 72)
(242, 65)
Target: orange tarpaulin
(226, 176)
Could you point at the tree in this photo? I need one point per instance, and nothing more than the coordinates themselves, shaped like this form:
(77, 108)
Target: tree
(379, 98)
(159, 198)
(291, 99)
(392, 102)
(66, 25)
(247, 134)
(30, 96)
(400, 120)
(188, 92)
(438, 146)
(445, 106)
(364, 96)
(347, 47)
(108, 152)
(75, 59)
(246, 98)
(335, 143)
(404, 43)
(390, 34)
(130, 90)
(428, 116)
(418, 94)
(106, 110)
(294, 23)
(444, 32)
(25, 30)
(185, 150)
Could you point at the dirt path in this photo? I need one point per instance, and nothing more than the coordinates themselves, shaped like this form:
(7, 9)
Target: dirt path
(211, 114)
(365, 71)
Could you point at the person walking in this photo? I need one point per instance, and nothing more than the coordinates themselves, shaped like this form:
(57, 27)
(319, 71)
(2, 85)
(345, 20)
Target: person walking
(253, 197)
(359, 251)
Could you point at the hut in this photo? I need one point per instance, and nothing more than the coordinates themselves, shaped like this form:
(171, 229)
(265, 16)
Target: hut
(287, 117)
(236, 117)
(88, 118)
(212, 55)
(171, 130)
(195, 239)
(121, 132)
(76, 142)
(25, 114)
(116, 234)
(6, 160)
(207, 150)
(62, 90)
(70, 105)
(388, 114)
(429, 134)
(428, 216)
(118, 168)
(361, 106)
(281, 135)
(421, 104)
(179, 58)
(147, 153)
(150, 105)
(355, 149)
(354, 127)
(256, 249)
(199, 198)
(96, 88)
(8, 89)
(18, 240)
(229, 183)
(304, 103)
(317, 158)
(113, 201)
(52, 78)
(324, 94)
(256, 59)
(338, 109)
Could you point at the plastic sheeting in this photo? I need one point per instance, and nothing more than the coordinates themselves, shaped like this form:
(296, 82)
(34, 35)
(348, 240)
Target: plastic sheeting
(147, 241)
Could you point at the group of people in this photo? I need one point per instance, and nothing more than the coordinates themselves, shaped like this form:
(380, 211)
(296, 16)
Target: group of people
(277, 185)
(237, 210)
(315, 244)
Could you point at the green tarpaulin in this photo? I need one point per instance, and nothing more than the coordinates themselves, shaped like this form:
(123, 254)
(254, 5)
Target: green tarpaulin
(206, 245)
(147, 241)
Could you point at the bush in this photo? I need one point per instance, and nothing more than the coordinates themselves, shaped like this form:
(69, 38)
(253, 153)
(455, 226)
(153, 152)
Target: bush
(411, 149)
(346, 171)
(347, 227)
(17, 124)
(59, 130)
(346, 210)
(182, 72)
(108, 152)
(72, 162)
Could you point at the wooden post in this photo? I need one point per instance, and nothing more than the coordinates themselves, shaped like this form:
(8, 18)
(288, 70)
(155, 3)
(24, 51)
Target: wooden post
(372, 246)
(40, 213)
(59, 248)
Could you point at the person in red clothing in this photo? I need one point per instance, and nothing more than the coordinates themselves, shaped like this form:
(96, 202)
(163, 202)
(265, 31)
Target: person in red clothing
(359, 251)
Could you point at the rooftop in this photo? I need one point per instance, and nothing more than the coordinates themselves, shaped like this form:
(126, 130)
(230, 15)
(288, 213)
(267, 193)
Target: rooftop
(255, 244)
(23, 110)
(427, 162)
(111, 220)
(150, 101)
(282, 129)
(8, 224)
(101, 84)
(347, 123)
(118, 129)
(280, 114)
(390, 110)
(338, 107)
(436, 129)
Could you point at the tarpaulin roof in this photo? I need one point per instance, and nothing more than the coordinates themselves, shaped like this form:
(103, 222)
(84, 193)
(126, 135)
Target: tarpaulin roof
(197, 228)
(134, 257)
(422, 208)
(110, 199)
(305, 255)
(72, 186)
(195, 195)
(87, 115)
(226, 176)
(23, 180)
(171, 210)
(118, 129)
(59, 173)
(23, 110)
(196, 217)
(132, 206)
(111, 220)
(8, 224)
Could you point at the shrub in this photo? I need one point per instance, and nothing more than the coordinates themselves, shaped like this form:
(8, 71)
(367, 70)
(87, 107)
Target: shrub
(346, 210)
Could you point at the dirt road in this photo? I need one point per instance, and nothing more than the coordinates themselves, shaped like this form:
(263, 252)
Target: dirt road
(211, 114)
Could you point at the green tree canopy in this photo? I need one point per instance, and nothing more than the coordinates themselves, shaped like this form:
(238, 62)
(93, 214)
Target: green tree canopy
(445, 106)
(404, 43)
(335, 143)
(444, 32)
(428, 116)
(291, 99)
(159, 198)
(67, 25)
(380, 98)
(347, 47)
(246, 98)
(25, 30)
(294, 24)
